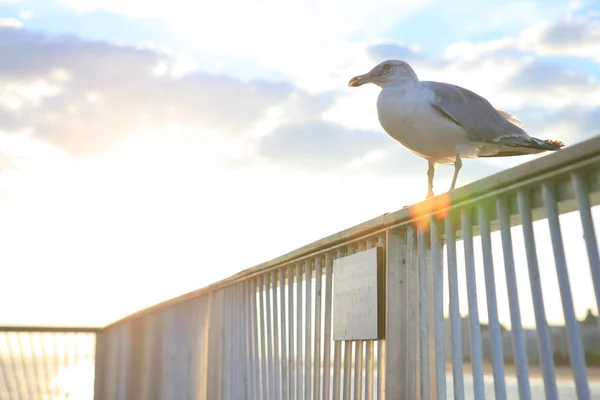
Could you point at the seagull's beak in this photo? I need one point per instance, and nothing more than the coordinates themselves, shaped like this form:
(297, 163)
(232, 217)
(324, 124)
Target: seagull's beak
(359, 80)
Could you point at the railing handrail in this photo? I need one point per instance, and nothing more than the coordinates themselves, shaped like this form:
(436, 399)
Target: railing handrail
(49, 329)
(528, 172)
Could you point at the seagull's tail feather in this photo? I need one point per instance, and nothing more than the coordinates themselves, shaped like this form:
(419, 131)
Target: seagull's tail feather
(526, 147)
(543, 144)
(553, 144)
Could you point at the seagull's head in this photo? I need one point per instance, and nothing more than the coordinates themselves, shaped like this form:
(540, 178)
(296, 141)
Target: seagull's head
(386, 73)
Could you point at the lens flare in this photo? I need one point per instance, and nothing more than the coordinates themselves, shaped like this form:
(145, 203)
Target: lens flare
(438, 205)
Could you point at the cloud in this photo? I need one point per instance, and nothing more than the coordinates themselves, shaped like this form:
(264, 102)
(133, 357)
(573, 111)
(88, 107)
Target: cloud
(10, 23)
(579, 37)
(319, 145)
(309, 41)
(503, 71)
(543, 76)
(216, 28)
(387, 51)
(570, 124)
(86, 96)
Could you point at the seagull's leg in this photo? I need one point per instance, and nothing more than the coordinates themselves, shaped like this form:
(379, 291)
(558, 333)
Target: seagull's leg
(457, 167)
(430, 173)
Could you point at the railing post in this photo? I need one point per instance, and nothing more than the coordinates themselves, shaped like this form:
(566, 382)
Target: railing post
(100, 366)
(112, 365)
(425, 310)
(437, 311)
(411, 320)
(395, 319)
(215, 347)
(124, 359)
(169, 344)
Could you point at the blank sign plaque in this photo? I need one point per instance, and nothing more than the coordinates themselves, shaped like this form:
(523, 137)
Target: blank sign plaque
(357, 296)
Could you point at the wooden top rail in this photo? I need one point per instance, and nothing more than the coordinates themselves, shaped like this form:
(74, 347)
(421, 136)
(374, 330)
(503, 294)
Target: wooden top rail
(49, 329)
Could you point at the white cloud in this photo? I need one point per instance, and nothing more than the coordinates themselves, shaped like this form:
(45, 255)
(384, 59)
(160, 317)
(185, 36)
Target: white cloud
(471, 51)
(10, 23)
(86, 96)
(307, 40)
(571, 37)
(26, 14)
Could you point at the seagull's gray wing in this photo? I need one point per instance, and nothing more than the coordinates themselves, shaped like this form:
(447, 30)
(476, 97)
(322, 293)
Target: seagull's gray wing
(482, 122)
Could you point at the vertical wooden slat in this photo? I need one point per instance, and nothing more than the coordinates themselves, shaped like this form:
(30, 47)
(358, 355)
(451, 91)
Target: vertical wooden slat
(337, 357)
(46, 367)
(100, 364)
(358, 368)
(113, 362)
(541, 324)
(308, 332)
(589, 233)
(28, 373)
(7, 387)
(327, 335)
(228, 341)
(412, 316)
(381, 344)
(236, 357)
(474, 330)
(490, 288)
(250, 351)
(241, 334)
(276, 338)
(348, 355)
(455, 319)
(370, 348)
(256, 357)
(575, 346)
(424, 267)
(396, 327)
(225, 350)
(519, 350)
(369, 367)
(299, 341)
(262, 336)
(285, 393)
(318, 372)
(291, 347)
(438, 309)
(347, 369)
(36, 377)
(269, 333)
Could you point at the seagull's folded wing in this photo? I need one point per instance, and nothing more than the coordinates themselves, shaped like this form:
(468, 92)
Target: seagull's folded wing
(482, 122)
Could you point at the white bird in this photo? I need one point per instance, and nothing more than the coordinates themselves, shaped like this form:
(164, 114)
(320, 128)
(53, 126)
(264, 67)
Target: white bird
(444, 123)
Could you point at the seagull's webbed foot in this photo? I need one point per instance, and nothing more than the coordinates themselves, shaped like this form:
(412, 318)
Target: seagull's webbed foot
(457, 167)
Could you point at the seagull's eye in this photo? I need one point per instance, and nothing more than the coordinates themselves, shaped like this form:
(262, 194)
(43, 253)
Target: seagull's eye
(387, 66)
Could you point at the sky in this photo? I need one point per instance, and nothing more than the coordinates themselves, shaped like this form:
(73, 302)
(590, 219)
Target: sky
(150, 148)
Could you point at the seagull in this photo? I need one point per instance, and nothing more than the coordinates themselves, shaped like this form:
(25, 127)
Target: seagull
(444, 123)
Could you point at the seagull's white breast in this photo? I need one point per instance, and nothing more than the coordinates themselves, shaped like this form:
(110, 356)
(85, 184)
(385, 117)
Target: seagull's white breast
(406, 114)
